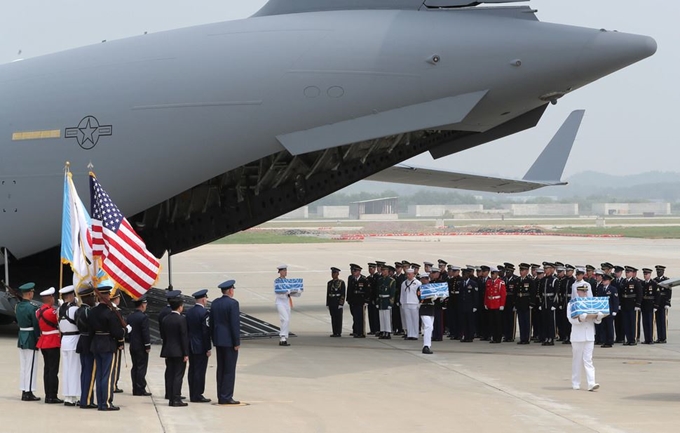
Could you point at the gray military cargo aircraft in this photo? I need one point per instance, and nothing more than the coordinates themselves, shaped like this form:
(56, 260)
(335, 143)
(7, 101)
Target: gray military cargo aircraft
(201, 132)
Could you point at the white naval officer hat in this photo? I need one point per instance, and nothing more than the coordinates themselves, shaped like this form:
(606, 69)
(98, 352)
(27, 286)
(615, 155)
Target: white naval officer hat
(282, 267)
(48, 292)
(67, 289)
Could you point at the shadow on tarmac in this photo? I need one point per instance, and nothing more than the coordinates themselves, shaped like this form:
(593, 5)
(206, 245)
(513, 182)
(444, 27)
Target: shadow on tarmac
(668, 397)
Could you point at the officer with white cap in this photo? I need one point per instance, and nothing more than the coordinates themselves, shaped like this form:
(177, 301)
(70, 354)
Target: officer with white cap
(410, 303)
(426, 315)
(283, 306)
(49, 344)
(70, 360)
(582, 339)
(28, 337)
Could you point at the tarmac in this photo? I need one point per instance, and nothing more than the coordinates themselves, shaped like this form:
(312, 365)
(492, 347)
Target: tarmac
(323, 384)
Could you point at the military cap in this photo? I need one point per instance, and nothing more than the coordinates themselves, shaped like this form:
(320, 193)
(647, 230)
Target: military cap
(559, 264)
(607, 277)
(282, 267)
(535, 266)
(580, 271)
(106, 290)
(397, 264)
(415, 265)
(116, 295)
(631, 269)
(203, 293)
(454, 268)
(500, 267)
(540, 271)
(27, 287)
(405, 263)
(424, 276)
(495, 270)
(548, 265)
(335, 270)
(524, 265)
(379, 263)
(569, 267)
(140, 301)
(659, 267)
(229, 284)
(372, 265)
(478, 268)
(442, 262)
(67, 289)
(86, 290)
(646, 271)
(410, 271)
(599, 272)
(606, 265)
(48, 292)
(435, 271)
(582, 287)
(485, 268)
(560, 269)
(590, 268)
(428, 264)
(618, 268)
(508, 265)
(391, 268)
(172, 294)
(354, 267)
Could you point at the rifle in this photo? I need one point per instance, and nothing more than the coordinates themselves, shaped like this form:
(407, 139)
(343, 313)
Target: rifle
(11, 291)
(112, 307)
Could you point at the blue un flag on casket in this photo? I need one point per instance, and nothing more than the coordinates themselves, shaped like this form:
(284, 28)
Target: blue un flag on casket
(589, 306)
(434, 291)
(288, 285)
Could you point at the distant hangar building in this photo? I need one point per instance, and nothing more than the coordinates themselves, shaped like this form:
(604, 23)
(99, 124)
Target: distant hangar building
(376, 209)
(647, 209)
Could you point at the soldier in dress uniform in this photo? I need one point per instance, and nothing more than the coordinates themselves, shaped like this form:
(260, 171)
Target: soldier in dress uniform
(452, 303)
(225, 325)
(399, 277)
(549, 299)
(70, 360)
(607, 290)
(482, 314)
(139, 340)
(166, 310)
(200, 348)
(617, 282)
(357, 295)
(630, 295)
(599, 332)
(525, 295)
(29, 332)
(442, 268)
(106, 330)
(510, 311)
(533, 272)
(335, 301)
(284, 304)
(426, 312)
(115, 301)
(175, 350)
(650, 304)
(372, 278)
(386, 290)
(410, 303)
(494, 303)
(536, 316)
(664, 305)
(438, 326)
(87, 372)
(49, 344)
(560, 315)
(567, 294)
(590, 277)
(468, 301)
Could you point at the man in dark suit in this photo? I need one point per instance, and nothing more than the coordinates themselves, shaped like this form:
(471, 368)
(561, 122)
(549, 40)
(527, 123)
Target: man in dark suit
(140, 346)
(198, 325)
(226, 336)
(175, 350)
(165, 312)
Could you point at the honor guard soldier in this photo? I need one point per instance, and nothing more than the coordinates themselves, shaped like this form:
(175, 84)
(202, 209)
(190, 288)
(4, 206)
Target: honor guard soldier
(560, 315)
(426, 312)
(427, 267)
(106, 330)
(442, 269)
(386, 290)
(525, 295)
(482, 313)
(335, 301)
(452, 302)
(607, 290)
(410, 303)
(438, 326)
(536, 319)
(357, 296)
(590, 277)
(175, 350)
(494, 303)
(198, 328)
(630, 295)
(372, 289)
(468, 300)
(399, 277)
(284, 303)
(115, 300)
(510, 311)
(70, 360)
(87, 372)
(664, 305)
(650, 304)
(139, 340)
(617, 282)
(29, 332)
(49, 344)
(373, 314)
(533, 272)
(599, 332)
(225, 325)
(549, 298)
(566, 291)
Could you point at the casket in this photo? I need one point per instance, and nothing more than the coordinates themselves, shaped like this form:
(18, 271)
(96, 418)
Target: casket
(434, 291)
(589, 306)
(289, 285)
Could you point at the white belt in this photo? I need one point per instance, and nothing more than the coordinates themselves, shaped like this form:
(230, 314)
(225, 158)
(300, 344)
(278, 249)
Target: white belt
(494, 297)
(56, 331)
(25, 329)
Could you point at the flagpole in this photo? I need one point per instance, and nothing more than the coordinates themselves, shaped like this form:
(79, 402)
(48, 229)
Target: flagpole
(67, 170)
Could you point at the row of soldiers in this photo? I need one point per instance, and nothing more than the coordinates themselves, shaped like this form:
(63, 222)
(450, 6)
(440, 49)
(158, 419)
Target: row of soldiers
(489, 302)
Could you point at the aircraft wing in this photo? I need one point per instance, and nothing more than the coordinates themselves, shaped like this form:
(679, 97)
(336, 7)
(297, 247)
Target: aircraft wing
(546, 171)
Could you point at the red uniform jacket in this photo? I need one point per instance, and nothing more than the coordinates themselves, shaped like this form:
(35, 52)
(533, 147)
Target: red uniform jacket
(49, 328)
(494, 297)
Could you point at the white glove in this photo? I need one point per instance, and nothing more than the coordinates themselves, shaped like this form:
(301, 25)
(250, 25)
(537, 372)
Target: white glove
(340, 307)
(667, 307)
(583, 317)
(129, 329)
(486, 308)
(552, 308)
(539, 308)
(474, 310)
(60, 302)
(502, 308)
(514, 308)
(655, 310)
(600, 316)
(614, 314)
(637, 308)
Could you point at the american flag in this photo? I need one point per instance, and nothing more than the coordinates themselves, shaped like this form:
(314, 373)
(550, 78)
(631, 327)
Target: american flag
(123, 253)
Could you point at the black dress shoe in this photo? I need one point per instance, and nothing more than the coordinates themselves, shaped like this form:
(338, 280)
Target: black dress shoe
(632, 344)
(69, 403)
(117, 390)
(200, 399)
(178, 403)
(109, 408)
(89, 406)
(29, 396)
(142, 394)
(53, 400)
(284, 343)
(427, 351)
(230, 401)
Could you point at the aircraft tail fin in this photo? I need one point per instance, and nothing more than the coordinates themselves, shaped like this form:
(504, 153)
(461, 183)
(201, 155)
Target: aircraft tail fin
(550, 164)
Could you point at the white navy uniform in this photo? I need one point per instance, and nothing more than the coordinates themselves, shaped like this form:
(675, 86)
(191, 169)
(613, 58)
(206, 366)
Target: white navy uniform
(411, 304)
(70, 360)
(582, 342)
(283, 307)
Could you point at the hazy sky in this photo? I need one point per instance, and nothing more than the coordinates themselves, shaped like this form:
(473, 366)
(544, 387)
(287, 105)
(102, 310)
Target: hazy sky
(630, 116)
